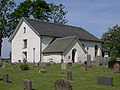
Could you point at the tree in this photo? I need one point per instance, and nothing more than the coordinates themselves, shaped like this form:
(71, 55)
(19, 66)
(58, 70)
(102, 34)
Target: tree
(40, 10)
(37, 9)
(57, 14)
(112, 40)
(6, 6)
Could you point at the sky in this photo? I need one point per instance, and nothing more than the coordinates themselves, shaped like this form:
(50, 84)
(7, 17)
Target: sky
(95, 16)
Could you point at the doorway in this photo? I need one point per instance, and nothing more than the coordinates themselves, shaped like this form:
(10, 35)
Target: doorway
(24, 55)
(73, 55)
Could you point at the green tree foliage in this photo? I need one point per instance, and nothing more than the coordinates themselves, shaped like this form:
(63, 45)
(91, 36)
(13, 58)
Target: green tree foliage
(40, 10)
(6, 6)
(112, 40)
(37, 9)
(57, 14)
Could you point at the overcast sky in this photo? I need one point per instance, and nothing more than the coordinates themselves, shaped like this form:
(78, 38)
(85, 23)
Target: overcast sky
(95, 16)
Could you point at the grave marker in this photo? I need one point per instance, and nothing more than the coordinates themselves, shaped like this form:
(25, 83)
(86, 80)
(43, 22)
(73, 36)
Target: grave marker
(117, 68)
(5, 78)
(69, 75)
(107, 81)
(27, 85)
(62, 84)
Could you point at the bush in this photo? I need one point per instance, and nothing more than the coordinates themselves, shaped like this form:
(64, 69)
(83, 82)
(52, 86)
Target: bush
(24, 67)
(113, 59)
(100, 64)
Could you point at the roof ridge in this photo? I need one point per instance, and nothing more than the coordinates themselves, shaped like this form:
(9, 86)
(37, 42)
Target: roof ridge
(53, 23)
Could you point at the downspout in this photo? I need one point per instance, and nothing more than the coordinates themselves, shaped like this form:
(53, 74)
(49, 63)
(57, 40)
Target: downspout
(62, 58)
(40, 48)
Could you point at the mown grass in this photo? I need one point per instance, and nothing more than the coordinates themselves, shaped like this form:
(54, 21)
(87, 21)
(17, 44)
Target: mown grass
(82, 80)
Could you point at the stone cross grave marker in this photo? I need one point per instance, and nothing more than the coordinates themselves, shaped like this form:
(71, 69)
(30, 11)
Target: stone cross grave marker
(62, 84)
(107, 81)
(27, 85)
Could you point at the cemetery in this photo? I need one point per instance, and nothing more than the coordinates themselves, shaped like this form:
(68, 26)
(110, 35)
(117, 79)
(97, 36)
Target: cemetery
(65, 76)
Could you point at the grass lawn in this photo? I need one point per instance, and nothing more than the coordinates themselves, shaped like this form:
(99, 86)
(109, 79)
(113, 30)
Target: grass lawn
(82, 80)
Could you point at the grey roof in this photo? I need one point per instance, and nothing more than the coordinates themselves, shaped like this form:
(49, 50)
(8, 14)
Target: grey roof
(59, 45)
(60, 30)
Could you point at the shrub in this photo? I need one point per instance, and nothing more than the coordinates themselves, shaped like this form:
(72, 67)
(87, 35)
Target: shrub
(24, 67)
(100, 64)
(113, 59)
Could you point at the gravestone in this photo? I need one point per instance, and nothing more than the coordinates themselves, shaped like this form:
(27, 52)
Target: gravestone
(48, 64)
(83, 68)
(98, 60)
(105, 61)
(101, 70)
(69, 64)
(107, 81)
(64, 66)
(27, 85)
(69, 75)
(41, 64)
(117, 68)
(5, 78)
(88, 56)
(62, 84)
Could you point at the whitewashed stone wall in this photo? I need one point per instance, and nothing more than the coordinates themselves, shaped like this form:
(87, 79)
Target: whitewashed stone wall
(33, 41)
(79, 56)
(52, 57)
(91, 47)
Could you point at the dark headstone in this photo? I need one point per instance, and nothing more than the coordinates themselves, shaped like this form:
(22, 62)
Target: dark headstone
(5, 78)
(48, 64)
(69, 64)
(117, 68)
(83, 68)
(62, 84)
(107, 81)
(102, 70)
(69, 75)
(64, 66)
(27, 85)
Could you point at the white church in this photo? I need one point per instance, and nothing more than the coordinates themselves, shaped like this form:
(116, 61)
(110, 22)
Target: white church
(39, 41)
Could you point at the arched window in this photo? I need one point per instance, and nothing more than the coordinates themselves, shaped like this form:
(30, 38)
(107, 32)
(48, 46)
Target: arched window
(96, 49)
(24, 29)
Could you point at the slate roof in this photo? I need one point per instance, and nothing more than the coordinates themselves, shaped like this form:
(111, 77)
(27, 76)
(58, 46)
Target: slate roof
(59, 45)
(59, 30)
